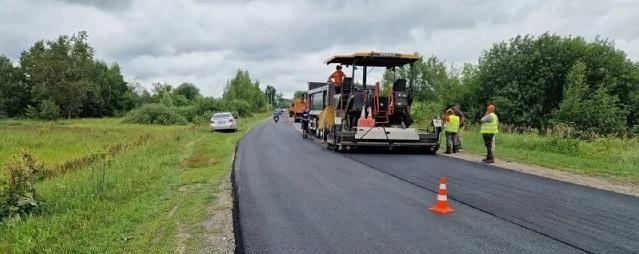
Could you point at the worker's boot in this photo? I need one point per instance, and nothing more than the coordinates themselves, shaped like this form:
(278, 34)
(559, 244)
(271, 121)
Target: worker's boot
(489, 158)
(447, 150)
(455, 149)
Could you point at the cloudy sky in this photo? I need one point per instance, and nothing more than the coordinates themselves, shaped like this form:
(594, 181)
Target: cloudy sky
(284, 43)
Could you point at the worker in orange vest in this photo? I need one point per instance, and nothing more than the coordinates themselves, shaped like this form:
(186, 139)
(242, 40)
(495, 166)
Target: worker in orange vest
(335, 82)
(337, 79)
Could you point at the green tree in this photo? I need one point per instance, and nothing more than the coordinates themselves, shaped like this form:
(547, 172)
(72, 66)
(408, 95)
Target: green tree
(271, 94)
(435, 86)
(15, 94)
(589, 112)
(48, 110)
(298, 94)
(65, 72)
(188, 90)
(526, 76)
(280, 102)
(241, 87)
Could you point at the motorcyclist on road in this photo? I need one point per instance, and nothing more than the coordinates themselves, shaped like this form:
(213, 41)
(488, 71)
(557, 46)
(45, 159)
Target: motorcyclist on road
(304, 124)
(276, 116)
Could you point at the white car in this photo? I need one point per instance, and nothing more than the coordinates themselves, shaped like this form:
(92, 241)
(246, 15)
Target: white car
(223, 121)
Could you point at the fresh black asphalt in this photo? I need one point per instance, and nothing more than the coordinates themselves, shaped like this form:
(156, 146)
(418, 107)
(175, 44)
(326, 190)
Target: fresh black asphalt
(294, 196)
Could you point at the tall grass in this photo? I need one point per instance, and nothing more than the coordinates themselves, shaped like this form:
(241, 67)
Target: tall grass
(54, 143)
(600, 156)
(142, 200)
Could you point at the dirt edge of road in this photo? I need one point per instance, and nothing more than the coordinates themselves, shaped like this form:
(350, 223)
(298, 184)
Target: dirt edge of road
(237, 226)
(607, 184)
(237, 229)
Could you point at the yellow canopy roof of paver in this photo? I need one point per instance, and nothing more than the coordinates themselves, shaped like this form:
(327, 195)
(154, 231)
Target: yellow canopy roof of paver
(374, 59)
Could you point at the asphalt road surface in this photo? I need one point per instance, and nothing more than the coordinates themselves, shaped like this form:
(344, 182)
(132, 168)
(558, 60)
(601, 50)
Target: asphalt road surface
(295, 196)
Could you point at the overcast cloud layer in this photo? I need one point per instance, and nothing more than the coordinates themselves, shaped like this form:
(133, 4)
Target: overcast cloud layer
(284, 43)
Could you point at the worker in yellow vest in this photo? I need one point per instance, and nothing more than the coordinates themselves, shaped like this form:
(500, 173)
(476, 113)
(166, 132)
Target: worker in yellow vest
(451, 127)
(489, 128)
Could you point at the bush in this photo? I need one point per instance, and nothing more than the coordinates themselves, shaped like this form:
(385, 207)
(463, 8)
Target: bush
(18, 194)
(201, 110)
(209, 104)
(46, 110)
(238, 107)
(423, 112)
(155, 114)
(203, 117)
(49, 110)
(188, 112)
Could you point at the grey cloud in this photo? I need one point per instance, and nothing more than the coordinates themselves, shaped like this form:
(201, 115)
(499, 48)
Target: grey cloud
(284, 43)
(101, 4)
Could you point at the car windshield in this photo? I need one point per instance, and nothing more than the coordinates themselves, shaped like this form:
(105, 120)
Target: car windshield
(221, 115)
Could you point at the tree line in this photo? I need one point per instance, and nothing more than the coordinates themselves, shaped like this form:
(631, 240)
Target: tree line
(62, 79)
(165, 104)
(536, 82)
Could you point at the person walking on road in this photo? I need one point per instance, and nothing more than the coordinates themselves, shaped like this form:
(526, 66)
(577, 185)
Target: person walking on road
(451, 127)
(462, 121)
(489, 128)
(304, 123)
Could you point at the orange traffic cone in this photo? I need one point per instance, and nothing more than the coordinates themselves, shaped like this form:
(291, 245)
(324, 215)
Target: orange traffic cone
(370, 119)
(361, 122)
(441, 205)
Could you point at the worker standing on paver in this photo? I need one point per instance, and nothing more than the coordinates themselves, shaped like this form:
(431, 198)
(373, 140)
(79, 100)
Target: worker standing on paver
(335, 82)
(489, 128)
(451, 127)
(462, 121)
(337, 79)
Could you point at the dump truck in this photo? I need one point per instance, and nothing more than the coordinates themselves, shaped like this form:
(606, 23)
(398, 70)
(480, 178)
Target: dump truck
(296, 108)
(361, 116)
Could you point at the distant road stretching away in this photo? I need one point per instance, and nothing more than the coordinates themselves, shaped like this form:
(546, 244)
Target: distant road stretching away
(297, 197)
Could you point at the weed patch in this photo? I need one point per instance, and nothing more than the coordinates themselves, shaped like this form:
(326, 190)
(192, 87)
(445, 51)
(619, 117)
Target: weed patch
(18, 198)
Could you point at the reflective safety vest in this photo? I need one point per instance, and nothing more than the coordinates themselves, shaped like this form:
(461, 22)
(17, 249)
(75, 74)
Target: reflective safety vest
(453, 124)
(491, 127)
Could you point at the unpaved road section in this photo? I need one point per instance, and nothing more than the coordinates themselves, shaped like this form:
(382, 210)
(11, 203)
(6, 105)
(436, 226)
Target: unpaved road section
(296, 197)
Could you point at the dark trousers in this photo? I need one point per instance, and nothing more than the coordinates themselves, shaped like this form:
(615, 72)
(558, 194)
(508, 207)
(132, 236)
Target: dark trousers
(451, 142)
(489, 142)
(332, 91)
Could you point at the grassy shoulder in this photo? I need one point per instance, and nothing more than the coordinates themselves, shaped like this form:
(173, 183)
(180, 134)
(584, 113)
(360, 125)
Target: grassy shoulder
(606, 157)
(54, 143)
(159, 197)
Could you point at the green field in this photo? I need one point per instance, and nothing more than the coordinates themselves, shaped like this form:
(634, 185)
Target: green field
(151, 197)
(607, 157)
(63, 141)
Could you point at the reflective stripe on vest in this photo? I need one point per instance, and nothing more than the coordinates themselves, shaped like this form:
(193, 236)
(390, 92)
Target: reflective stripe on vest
(453, 124)
(491, 127)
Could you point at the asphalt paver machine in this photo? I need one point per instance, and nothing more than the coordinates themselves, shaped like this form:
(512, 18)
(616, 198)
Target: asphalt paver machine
(387, 117)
